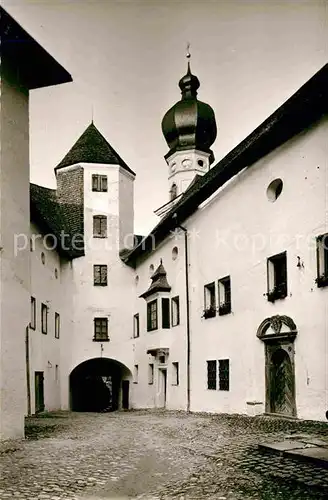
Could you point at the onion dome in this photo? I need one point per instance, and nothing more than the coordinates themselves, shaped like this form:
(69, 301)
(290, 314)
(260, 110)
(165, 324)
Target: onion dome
(158, 282)
(189, 124)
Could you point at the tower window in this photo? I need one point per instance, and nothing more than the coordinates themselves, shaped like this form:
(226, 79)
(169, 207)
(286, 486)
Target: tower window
(33, 315)
(201, 163)
(101, 330)
(173, 191)
(57, 325)
(175, 373)
(165, 313)
(100, 275)
(99, 226)
(136, 326)
(99, 182)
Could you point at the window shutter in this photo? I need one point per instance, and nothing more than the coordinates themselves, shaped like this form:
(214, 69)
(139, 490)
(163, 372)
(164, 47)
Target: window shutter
(165, 313)
(95, 183)
(104, 183)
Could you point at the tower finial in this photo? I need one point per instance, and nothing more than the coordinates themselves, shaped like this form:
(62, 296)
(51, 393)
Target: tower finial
(188, 55)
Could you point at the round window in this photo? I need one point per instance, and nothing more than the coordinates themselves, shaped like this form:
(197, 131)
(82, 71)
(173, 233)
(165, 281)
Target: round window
(175, 253)
(274, 190)
(200, 163)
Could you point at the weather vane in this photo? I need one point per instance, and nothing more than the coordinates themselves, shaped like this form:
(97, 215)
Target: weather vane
(188, 55)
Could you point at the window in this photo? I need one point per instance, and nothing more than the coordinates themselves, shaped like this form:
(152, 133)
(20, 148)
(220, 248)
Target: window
(277, 277)
(101, 330)
(100, 275)
(135, 374)
(44, 318)
(99, 182)
(33, 313)
(209, 301)
(223, 374)
(175, 373)
(224, 296)
(100, 226)
(136, 326)
(165, 313)
(211, 375)
(57, 325)
(173, 191)
(152, 315)
(322, 260)
(175, 310)
(150, 373)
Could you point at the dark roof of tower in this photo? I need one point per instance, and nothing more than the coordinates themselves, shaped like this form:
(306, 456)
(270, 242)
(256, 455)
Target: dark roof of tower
(57, 219)
(304, 108)
(92, 147)
(159, 282)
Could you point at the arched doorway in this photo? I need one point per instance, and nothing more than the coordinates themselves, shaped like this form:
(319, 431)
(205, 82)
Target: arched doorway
(278, 334)
(99, 384)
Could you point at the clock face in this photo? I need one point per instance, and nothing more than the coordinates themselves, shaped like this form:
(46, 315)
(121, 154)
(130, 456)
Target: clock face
(186, 163)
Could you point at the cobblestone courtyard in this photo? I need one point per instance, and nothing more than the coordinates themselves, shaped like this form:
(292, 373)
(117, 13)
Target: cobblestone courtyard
(156, 455)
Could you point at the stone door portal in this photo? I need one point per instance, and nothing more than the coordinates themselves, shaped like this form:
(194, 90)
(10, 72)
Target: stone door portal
(278, 333)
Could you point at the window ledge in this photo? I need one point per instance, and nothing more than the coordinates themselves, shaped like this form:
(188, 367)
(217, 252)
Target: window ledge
(100, 284)
(224, 309)
(100, 340)
(99, 236)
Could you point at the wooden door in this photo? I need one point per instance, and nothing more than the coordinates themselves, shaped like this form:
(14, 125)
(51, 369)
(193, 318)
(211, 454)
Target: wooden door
(281, 381)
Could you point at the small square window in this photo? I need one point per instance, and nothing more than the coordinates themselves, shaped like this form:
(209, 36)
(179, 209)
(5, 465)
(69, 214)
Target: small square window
(175, 373)
(322, 261)
(175, 311)
(99, 182)
(136, 326)
(211, 375)
(101, 330)
(135, 374)
(150, 373)
(33, 313)
(99, 226)
(152, 316)
(44, 318)
(224, 375)
(100, 275)
(209, 301)
(224, 296)
(277, 277)
(57, 325)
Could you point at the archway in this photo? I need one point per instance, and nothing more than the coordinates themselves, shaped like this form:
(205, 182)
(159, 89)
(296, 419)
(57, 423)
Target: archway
(99, 384)
(278, 334)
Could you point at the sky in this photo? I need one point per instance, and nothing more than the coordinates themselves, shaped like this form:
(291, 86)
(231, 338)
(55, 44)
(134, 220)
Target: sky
(127, 56)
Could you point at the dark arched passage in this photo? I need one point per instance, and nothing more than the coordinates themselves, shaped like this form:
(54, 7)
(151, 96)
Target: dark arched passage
(99, 384)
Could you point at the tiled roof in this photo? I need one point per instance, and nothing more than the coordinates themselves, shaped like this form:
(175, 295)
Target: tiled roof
(299, 112)
(159, 282)
(92, 147)
(57, 219)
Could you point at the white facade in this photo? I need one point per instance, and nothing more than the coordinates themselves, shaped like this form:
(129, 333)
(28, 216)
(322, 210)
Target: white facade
(143, 337)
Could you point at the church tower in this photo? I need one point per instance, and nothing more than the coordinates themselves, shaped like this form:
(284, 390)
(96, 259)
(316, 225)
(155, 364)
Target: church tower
(189, 129)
